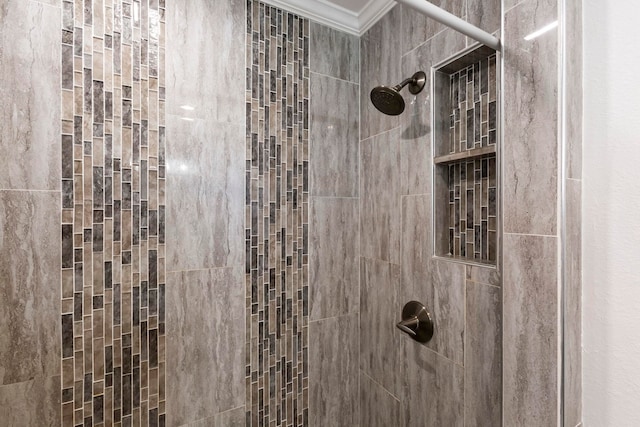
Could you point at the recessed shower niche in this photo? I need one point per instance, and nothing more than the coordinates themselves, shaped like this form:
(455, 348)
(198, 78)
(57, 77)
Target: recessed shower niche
(465, 147)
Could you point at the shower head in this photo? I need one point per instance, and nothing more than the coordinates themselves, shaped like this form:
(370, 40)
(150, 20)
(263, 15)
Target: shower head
(388, 99)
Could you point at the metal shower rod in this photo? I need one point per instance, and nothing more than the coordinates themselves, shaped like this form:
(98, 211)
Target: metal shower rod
(452, 21)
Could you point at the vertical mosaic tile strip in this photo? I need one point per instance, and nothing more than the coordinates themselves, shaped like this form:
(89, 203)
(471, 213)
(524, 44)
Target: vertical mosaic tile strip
(277, 210)
(113, 213)
(472, 182)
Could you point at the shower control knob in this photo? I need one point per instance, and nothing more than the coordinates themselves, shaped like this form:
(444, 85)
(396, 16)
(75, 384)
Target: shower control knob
(416, 322)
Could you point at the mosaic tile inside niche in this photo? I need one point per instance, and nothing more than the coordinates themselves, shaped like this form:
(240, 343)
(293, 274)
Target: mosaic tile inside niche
(277, 180)
(113, 213)
(473, 121)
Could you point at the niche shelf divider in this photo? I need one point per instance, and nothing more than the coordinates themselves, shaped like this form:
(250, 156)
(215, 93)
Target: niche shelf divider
(466, 138)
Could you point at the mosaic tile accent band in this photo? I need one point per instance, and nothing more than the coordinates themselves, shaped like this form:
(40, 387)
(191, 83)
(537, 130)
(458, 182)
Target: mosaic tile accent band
(472, 183)
(113, 213)
(277, 212)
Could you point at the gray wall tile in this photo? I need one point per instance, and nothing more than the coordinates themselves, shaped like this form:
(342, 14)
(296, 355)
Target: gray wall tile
(205, 343)
(334, 373)
(232, 418)
(574, 96)
(334, 140)
(418, 28)
(334, 53)
(530, 328)
(205, 193)
(29, 285)
(33, 403)
(30, 75)
(483, 356)
(530, 151)
(377, 406)
(484, 14)
(334, 250)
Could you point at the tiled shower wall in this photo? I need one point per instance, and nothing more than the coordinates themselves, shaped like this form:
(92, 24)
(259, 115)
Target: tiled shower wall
(113, 213)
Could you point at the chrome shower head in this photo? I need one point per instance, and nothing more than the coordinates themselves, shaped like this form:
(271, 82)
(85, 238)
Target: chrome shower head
(388, 99)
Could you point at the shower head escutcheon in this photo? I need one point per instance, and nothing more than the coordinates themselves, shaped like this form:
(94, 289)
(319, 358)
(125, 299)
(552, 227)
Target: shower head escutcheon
(388, 99)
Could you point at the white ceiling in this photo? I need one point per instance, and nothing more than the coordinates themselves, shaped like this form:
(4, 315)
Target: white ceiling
(351, 16)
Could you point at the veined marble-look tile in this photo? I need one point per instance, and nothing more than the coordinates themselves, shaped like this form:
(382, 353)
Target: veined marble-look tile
(486, 275)
(334, 258)
(333, 371)
(531, 150)
(206, 69)
(418, 28)
(484, 14)
(573, 298)
(205, 194)
(380, 356)
(530, 327)
(232, 418)
(30, 75)
(29, 285)
(380, 52)
(205, 343)
(378, 408)
(33, 403)
(574, 91)
(334, 140)
(483, 356)
(334, 53)
(415, 122)
(380, 198)
(433, 387)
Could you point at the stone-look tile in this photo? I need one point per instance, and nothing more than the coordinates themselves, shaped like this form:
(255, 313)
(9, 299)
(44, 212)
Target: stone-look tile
(33, 403)
(379, 197)
(206, 66)
(433, 388)
(334, 140)
(574, 95)
(378, 408)
(205, 192)
(437, 284)
(415, 122)
(232, 418)
(531, 149)
(573, 304)
(333, 375)
(334, 53)
(380, 52)
(484, 14)
(30, 75)
(530, 329)
(380, 311)
(418, 28)
(334, 249)
(29, 285)
(483, 356)
(205, 343)
(486, 275)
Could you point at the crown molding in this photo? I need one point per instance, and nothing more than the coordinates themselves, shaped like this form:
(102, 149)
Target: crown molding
(337, 17)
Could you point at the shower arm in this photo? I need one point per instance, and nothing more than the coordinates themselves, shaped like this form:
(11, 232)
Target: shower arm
(452, 21)
(405, 82)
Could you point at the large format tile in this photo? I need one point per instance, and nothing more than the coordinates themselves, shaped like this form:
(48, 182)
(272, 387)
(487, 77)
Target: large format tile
(531, 151)
(334, 53)
(206, 67)
(334, 139)
(484, 14)
(205, 195)
(379, 197)
(33, 403)
(530, 329)
(380, 52)
(333, 371)
(205, 343)
(573, 91)
(573, 305)
(30, 75)
(334, 250)
(232, 418)
(433, 388)
(377, 406)
(380, 311)
(483, 356)
(418, 28)
(29, 285)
